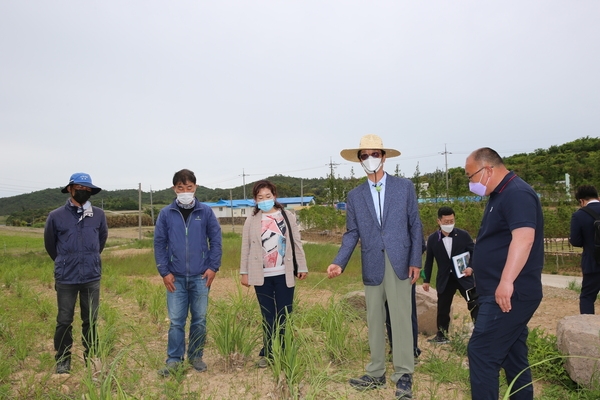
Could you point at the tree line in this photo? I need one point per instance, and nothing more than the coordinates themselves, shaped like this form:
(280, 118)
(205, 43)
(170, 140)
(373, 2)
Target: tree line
(544, 169)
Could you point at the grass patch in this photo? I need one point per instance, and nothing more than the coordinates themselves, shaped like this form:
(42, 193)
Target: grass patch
(325, 341)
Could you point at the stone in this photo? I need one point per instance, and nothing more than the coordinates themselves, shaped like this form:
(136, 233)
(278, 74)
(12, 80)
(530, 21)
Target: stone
(578, 337)
(426, 310)
(356, 300)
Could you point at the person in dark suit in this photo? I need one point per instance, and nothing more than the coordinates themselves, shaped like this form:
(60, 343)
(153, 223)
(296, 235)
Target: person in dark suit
(442, 245)
(383, 213)
(582, 235)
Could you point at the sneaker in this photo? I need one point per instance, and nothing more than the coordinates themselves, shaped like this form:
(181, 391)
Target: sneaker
(439, 340)
(262, 363)
(63, 366)
(404, 387)
(199, 365)
(367, 382)
(169, 369)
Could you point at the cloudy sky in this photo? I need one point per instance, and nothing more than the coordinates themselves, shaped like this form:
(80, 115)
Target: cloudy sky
(132, 91)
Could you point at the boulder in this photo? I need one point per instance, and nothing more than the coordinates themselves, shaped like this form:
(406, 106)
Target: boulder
(426, 308)
(578, 336)
(356, 300)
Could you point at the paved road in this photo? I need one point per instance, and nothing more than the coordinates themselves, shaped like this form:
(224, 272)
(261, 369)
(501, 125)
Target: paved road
(559, 281)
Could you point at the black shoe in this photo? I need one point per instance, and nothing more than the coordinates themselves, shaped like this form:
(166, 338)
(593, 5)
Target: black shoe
(262, 362)
(439, 340)
(63, 366)
(367, 382)
(404, 387)
(199, 365)
(169, 369)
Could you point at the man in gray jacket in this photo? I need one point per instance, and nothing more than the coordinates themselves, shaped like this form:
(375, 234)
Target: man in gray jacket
(74, 237)
(383, 214)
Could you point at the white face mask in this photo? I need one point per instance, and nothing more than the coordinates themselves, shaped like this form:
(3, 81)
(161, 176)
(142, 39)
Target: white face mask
(447, 228)
(185, 198)
(371, 165)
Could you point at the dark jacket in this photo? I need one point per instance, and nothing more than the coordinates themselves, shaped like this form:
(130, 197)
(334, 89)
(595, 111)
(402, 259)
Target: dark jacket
(187, 248)
(582, 235)
(75, 244)
(461, 242)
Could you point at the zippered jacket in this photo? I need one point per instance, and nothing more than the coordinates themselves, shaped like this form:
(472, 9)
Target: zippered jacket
(187, 248)
(75, 244)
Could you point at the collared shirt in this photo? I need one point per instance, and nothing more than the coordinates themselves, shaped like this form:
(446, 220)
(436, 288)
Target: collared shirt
(512, 204)
(447, 240)
(378, 195)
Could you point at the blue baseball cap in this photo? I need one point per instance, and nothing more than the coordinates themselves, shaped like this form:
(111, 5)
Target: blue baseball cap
(83, 179)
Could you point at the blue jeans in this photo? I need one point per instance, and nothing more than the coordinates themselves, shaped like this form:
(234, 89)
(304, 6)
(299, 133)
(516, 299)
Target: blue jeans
(275, 300)
(89, 300)
(499, 340)
(190, 295)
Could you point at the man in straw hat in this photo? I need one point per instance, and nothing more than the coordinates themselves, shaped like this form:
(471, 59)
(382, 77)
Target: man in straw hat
(74, 237)
(384, 215)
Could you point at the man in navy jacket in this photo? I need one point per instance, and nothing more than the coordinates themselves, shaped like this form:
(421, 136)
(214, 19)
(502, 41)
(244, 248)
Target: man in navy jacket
(74, 237)
(442, 245)
(582, 235)
(187, 249)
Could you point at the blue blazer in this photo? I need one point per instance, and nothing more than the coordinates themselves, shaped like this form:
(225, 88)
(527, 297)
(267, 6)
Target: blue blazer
(582, 235)
(400, 236)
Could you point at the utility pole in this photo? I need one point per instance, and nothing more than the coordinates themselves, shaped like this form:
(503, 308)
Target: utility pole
(445, 153)
(140, 211)
(151, 207)
(332, 165)
(231, 202)
(301, 192)
(244, 175)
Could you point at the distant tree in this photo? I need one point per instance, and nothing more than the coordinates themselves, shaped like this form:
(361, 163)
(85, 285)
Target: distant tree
(437, 185)
(417, 182)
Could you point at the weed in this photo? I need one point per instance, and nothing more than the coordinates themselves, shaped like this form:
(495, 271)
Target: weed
(545, 359)
(234, 325)
(574, 286)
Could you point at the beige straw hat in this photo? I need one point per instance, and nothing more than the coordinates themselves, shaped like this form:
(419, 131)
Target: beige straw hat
(368, 142)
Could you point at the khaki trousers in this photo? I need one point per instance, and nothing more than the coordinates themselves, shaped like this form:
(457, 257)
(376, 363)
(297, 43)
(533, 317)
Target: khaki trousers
(398, 295)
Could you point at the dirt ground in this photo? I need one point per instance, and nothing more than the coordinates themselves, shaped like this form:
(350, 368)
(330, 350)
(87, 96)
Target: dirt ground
(557, 303)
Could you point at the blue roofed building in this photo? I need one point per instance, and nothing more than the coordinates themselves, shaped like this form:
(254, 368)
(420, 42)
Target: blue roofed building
(243, 208)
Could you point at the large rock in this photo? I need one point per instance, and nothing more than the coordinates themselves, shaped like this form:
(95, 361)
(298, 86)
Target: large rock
(579, 336)
(426, 308)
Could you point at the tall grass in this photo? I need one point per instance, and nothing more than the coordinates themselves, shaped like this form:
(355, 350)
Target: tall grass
(287, 365)
(235, 327)
(324, 342)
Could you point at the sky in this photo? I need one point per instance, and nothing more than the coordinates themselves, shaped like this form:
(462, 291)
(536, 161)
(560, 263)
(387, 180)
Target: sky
(133, 91)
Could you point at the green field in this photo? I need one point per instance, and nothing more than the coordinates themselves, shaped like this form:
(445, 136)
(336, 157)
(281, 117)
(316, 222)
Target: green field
(325, 345)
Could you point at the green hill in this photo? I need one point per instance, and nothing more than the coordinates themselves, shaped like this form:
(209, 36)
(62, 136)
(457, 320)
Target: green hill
(542, 168)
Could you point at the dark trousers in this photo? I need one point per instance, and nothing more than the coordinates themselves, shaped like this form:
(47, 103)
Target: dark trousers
(444, 305)
(590, 286)
(275, 300)
(415, 325)
(89, 300)
(499, 340)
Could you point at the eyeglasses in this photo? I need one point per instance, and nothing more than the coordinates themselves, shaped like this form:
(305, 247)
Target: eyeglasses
(375, 154)
(478, 171)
